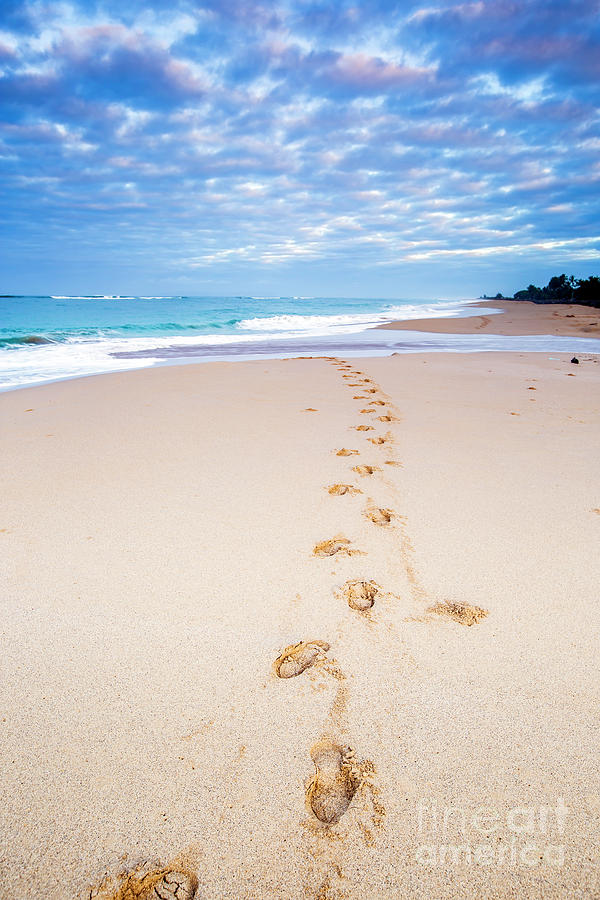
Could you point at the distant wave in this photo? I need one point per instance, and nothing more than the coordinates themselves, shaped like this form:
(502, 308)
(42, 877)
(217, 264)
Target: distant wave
(29, 339)
(344, 322)
(112, 297)
(126, 331)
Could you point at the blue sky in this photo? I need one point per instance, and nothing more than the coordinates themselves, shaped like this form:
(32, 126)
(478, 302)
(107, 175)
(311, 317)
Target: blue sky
(341, 148)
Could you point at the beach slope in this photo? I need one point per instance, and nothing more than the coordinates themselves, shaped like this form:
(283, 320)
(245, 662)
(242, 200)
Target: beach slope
(424, 527)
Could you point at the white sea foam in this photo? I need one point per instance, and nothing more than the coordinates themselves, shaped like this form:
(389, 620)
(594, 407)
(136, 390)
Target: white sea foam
(316, 325)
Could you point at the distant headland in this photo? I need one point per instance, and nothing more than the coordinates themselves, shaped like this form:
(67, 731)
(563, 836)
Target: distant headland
(560, 289)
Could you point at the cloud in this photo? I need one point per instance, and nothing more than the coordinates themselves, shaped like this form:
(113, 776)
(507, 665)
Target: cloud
(294, 132)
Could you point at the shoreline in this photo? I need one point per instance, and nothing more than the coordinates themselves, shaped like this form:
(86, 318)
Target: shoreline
(460, 334)
(148, 598)
(518, 317)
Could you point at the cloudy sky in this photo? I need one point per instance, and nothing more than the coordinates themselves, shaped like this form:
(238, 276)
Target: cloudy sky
(361, 148)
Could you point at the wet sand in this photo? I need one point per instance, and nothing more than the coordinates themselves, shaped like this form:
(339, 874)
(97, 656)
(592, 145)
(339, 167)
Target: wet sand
(516, 318)
(218, 662)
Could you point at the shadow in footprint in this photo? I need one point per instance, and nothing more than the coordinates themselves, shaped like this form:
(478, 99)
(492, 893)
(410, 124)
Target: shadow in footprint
(161, 884)
(379, 516)
(298, 657)
(341, 489)
(360, 595)
(366, 470)
(334, 783)
(463, 613)
(337, 545)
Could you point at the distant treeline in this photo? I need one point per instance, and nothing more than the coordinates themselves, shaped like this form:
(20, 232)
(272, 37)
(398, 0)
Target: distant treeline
(560, 289)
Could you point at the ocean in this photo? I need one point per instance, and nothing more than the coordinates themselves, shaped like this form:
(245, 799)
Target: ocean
(54, 337)
(50, 338)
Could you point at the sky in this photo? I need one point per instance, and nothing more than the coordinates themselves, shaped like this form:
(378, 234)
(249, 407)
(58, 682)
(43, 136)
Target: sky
(300, 147)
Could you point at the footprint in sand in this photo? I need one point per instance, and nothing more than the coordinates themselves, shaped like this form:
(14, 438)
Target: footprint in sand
(334, 783)
(377, 402)
(360, 595)
(379, 516)
(367, 410)
(370, 390)
(392, 462)
(363, 427)
(161, 884)
(387, 419)
(366, 470)
(337, 545)
(345, 452)
(459, 612)
(378, 440)
(298, 657)
(341, 489)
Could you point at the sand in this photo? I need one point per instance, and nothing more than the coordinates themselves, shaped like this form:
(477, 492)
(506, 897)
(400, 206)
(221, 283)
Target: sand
(517, 317)
(157, 558)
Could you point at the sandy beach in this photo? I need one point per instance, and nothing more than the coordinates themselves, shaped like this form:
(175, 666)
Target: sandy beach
(168, 535)
(517, 317)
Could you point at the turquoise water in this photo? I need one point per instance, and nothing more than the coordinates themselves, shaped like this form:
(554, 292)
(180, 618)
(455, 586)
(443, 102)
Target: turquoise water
(49, 338)
(46, 338)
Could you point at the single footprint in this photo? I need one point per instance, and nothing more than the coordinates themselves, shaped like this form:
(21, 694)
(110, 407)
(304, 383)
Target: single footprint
(338, 544)
(354, 384)
(387, 419)
(366, 470)
(163, 884)
(341, 489)
(371, 390)
(360, 594)
(459, 612)
(345, 452)
(311, 409)
(378, 440)
(334, 783)
(298, 657)
(377, 402)
(367, 410)
(363, 427)
(392, 462)
(379, 516)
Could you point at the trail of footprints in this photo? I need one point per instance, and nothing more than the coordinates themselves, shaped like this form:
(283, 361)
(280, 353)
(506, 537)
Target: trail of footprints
(338, 776)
